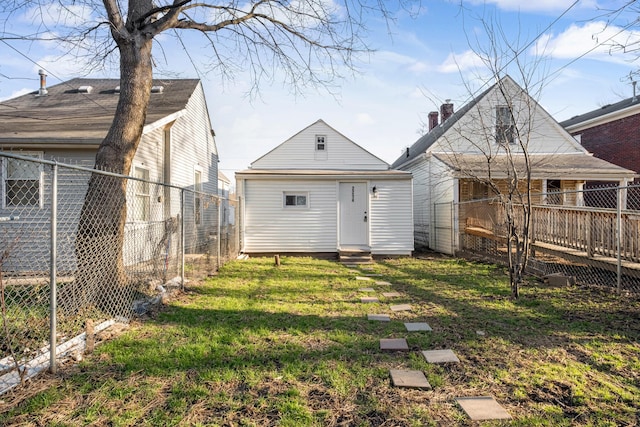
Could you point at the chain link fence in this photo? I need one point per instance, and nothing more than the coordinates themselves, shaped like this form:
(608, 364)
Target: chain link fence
(591, 237)
(73, 263)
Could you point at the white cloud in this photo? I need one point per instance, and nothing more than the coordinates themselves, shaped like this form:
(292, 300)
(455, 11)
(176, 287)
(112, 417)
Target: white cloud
(53, 14)
(535, 5)
(456, 62)
(595, 40)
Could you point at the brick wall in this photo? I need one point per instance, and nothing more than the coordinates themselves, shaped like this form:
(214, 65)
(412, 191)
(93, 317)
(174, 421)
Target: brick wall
(617, 142)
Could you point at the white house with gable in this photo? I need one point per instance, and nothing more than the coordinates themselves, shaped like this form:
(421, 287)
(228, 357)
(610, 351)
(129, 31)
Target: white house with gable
(320, 193)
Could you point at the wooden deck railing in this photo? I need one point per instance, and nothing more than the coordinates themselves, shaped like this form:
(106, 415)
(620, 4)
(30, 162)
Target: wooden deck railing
(590, 230)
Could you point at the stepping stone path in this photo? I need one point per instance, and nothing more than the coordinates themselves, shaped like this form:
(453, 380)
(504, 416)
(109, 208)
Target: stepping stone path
(391, 294)
(415, 327)
(478, 408)
(412, 379)
(400, 307)
(394, 344)
(482, 408)
(379, 317)
(440, 356)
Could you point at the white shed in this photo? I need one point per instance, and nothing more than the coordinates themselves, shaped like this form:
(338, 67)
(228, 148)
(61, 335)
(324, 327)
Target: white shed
(320, 193)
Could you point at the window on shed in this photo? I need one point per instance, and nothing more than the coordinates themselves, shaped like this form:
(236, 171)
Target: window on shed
(142, 196)
(505, 128)
(321, 143)
(22, 181)
(296, 200)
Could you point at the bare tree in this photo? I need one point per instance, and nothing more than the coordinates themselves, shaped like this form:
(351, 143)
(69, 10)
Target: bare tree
(497, 131)
(308, 42)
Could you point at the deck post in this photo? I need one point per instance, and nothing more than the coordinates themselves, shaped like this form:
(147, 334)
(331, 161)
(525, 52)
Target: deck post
(619, 235)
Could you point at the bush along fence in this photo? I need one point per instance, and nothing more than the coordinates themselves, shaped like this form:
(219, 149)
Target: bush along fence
(591, 237)
(69, 271)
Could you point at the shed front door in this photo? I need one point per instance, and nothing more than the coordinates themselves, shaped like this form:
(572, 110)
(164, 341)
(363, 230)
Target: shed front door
(354, 215)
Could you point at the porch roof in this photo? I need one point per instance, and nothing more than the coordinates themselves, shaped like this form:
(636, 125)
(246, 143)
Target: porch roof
(543, 166)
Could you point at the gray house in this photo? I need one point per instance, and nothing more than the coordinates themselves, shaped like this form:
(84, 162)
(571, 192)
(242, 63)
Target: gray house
(67, 122)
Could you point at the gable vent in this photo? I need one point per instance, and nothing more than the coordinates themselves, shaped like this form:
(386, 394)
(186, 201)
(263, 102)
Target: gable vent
(85, 89)
(157, 89)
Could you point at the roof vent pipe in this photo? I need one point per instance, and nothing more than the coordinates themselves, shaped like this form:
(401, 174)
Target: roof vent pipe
(43, 83)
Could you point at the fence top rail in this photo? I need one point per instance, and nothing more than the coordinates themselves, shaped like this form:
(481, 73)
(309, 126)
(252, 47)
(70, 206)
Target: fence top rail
(106, 173)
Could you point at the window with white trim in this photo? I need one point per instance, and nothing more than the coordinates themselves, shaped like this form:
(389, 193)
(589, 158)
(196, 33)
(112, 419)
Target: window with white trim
(299, 200)
(22, 181)
(505, 128)
(321, 143)
(197, 201)
(142, 196)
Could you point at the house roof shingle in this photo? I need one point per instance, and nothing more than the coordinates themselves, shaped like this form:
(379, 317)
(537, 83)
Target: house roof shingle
(602, 111)
(67, 115)
(543, 166)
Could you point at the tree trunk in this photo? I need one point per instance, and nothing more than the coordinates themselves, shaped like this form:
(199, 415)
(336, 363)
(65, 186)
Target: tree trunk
(101, 279)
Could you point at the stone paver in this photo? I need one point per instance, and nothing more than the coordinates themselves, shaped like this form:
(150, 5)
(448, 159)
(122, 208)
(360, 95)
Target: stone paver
(440, 356)
(367, 290)
(351, 265)
(482, 408)
(391, 294)
(383, 283)
(417, 326)
(480, 333)
(394, 344)
(411, 379)
(363, 278)
(369, 300)
(373, 275)
(379, 317)
(401, 307)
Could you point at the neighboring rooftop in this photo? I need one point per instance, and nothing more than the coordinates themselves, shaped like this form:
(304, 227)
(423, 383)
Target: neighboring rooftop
(80, 111)
(602, 111)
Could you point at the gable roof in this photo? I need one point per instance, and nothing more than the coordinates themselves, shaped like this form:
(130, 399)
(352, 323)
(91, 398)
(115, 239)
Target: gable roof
(422, 145)
(604, 114)
(262, 161)
(67, 115)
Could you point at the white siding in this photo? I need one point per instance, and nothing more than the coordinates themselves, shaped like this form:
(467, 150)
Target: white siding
(298, 152)
(391, 218)
(270, 227)
(421, 210)
(474, 132)
(442, 196)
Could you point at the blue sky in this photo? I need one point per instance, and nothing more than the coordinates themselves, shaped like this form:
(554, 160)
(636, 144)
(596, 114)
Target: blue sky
(424, 59)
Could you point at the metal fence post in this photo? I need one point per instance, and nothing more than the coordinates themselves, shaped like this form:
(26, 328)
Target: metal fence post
(52, 270)
(182, 238)
(219, 236)
(619, 239)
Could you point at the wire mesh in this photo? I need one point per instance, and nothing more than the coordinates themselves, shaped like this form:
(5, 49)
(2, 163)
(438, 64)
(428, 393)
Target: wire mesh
(118, 244)
(591, 236)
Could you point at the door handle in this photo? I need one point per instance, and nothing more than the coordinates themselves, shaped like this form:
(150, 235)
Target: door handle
(365, 216)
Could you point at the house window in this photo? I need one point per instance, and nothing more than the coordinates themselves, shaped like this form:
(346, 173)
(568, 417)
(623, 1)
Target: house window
(197, 201)
(554, 192)
(478, 190)
(300, 200)
(321, 143)
(142, 196)
(505, 128)
(22, 182)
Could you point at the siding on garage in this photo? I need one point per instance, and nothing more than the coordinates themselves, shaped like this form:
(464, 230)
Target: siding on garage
(270, 227)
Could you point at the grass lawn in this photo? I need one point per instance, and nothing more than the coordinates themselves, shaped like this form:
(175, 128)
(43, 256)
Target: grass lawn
(261, 345)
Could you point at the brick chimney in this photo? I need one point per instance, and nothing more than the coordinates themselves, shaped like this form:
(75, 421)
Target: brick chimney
(433, 119)
(446, 110)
